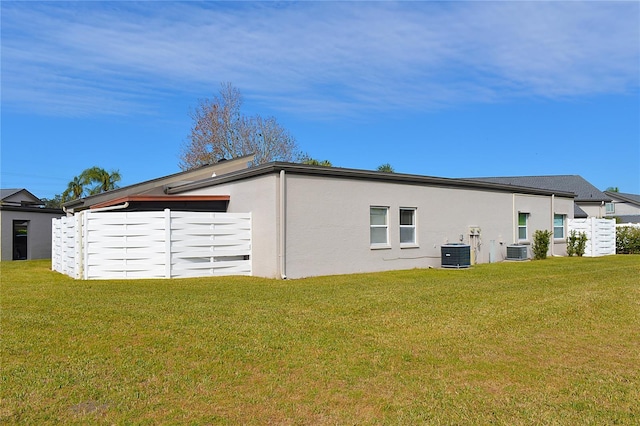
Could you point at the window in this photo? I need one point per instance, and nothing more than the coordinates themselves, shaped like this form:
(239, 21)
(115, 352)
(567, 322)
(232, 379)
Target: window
(558, 226)
(407, 226)
(609, 208)
(379, 230)
(523, 218)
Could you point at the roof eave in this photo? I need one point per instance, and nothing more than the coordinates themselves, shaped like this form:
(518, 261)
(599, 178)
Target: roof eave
(276, 167)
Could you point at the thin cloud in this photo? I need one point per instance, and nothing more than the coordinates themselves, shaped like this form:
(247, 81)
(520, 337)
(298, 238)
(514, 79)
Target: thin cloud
(314, 58)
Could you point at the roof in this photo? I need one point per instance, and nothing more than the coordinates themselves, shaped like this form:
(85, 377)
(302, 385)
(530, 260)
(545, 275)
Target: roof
(5, 193)
(627, 198)
(628, 218)
(19, 197)
(337, 172)
(157, 187)
(583, 190)
(578, 213)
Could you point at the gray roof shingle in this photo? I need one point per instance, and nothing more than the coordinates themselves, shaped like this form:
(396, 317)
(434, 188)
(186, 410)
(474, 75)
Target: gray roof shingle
(629, 198)
(566, 183)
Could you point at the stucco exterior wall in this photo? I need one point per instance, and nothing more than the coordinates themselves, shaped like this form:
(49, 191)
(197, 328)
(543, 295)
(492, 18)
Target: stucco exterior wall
(596, 209)
(541, 210)
(38, 232)
(624, 208)
(259, 196)
(328, 223)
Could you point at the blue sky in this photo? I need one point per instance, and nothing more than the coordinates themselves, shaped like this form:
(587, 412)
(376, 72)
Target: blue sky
(450, 89)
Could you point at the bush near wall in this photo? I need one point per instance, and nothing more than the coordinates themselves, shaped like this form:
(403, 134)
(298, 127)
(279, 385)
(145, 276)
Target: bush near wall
(627, 240)
(576, 243)
(541, 242)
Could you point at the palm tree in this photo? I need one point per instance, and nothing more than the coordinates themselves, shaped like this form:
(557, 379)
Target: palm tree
(101, 179)
(74, 190)
(385, 168)
(313, 162)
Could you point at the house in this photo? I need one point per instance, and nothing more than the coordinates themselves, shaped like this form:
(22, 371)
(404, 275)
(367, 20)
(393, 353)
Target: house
(625, 208)
(313, 220)
(589, 200)
(25, 226)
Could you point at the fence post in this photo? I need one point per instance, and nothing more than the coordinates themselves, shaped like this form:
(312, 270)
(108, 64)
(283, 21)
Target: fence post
(167, 243)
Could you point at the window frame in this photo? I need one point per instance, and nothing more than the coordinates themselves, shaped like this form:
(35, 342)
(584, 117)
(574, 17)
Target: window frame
(563, 217)
(413, 226)
(385, 226)
(610, 208)
(525, 226)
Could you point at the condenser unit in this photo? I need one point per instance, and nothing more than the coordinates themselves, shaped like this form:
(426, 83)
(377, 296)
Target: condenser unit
(516, 252)
(456, 255)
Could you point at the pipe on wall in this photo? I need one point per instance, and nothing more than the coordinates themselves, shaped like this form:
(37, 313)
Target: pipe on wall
(283, 226)
(553, 208)
(109, 208)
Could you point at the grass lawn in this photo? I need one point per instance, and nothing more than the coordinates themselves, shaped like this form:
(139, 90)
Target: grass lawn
(545, 342)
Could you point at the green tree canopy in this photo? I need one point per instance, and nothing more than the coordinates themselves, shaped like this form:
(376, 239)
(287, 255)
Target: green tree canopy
(91, 181)
(313, 162)
(386, 167)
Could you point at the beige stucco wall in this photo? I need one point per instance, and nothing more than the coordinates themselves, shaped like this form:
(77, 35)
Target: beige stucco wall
(596, 209)
(38, 233)
(259, 196)
(327, 222)
(624, 208)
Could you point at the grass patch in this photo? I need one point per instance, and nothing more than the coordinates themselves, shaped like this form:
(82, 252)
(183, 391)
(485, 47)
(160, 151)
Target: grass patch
(547, 342)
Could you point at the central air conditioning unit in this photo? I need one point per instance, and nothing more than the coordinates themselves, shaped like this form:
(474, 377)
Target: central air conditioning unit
(516, 252)
(456, 255)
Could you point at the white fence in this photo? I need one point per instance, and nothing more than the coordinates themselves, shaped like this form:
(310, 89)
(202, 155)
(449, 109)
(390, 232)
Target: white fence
(165, 244)
(630, 225)
(601, 235)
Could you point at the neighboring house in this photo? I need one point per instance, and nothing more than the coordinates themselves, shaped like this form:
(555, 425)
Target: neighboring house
(25, 226)
(589, 200)
(624, 207)
(315, 220)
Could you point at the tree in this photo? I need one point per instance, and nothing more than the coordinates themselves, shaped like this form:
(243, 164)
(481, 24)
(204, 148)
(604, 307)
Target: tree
(612, 189)
(313, 162)
(74, 190)
(91, 181)
(385, 168)
(220, 130)
(53, 203)
(101, 179)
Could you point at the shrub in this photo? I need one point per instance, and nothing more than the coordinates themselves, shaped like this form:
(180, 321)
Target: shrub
(541, 241)
(576, 243)
(627, 240)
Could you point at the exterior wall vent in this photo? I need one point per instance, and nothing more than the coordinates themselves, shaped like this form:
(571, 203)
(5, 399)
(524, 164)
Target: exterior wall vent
(456, 255)
(516, 252)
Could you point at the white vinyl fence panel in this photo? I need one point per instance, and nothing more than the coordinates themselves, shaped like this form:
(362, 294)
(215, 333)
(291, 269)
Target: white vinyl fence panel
(65, 246)
(601, 235)
(630, 225)
(163, 244)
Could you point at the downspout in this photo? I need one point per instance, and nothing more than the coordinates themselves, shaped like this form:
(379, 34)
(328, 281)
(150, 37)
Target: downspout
(553, 208)
(514, 220)
(282, 246)
(118, 207)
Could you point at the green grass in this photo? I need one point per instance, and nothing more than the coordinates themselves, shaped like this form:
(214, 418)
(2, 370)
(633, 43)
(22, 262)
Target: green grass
(546, 342)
